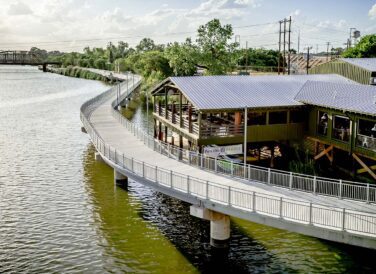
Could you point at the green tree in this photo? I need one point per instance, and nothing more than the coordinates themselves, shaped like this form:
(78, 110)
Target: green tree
(146, 44)
(215, 48)
(182, 57)
(365, 48)
(153, 61)
(100, 63)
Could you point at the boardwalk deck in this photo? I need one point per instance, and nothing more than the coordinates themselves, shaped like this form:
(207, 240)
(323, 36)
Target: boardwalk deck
(310, 214)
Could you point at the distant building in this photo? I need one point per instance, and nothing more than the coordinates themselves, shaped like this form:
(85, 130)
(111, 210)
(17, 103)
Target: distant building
(361, 70)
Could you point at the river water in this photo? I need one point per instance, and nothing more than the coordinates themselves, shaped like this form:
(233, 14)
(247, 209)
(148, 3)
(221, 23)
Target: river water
(60, 211)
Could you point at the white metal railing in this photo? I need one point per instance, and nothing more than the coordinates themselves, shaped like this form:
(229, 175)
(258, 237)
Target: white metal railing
(250, 201)
(342, 189)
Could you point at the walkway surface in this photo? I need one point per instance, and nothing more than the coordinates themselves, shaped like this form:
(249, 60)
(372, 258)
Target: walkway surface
(326, 220)
(117, 136)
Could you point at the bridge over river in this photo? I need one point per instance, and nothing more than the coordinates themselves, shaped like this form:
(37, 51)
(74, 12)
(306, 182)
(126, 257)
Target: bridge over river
(334, 210)
(16, 57)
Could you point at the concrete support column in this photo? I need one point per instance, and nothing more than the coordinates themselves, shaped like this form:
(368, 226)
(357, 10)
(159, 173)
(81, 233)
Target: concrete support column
(98, 157)
(219, 225)
(120, 179)
(219, 230)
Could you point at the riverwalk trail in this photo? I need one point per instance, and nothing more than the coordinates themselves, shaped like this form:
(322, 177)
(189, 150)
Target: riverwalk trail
(135, 154)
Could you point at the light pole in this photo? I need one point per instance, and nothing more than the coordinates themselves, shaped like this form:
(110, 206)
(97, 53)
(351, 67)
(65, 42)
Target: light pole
(147, 113)
(245, 135)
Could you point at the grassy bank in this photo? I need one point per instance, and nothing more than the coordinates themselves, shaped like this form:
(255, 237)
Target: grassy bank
(79, 73)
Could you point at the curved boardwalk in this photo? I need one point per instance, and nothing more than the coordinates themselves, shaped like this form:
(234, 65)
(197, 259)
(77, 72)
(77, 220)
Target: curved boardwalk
(135, 154)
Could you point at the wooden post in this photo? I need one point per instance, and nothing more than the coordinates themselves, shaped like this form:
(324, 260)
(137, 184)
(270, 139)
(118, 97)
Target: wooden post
(160, 137)
(180, 109)
(272, 156)
(155, 128)
(199, 119)
(166, 105)
(189, 118)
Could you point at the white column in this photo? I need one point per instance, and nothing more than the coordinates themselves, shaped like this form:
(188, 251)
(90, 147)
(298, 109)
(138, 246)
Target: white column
(120, 179)
(219, 230)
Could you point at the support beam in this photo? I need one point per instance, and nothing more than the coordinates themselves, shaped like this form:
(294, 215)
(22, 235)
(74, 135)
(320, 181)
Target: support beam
(324, 152)
(363, 170)
(364, 166)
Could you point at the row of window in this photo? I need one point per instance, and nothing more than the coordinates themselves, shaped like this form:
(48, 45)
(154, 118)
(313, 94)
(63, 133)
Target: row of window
(275, 117)
(341, 129)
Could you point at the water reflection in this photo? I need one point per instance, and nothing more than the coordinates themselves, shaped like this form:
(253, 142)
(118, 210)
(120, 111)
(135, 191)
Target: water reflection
(133, 243)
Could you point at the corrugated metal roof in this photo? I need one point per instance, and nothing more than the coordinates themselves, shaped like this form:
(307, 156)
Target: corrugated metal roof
(350, 97)
(365, 63)
(235, 92)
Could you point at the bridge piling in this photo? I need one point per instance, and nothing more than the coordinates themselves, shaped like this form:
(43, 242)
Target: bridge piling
(120, 179)
(219, 230)
(98, 157)
(219, 225)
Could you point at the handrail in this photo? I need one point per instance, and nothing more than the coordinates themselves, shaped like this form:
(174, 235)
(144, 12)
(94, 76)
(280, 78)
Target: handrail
(342, 189)
(332, 218)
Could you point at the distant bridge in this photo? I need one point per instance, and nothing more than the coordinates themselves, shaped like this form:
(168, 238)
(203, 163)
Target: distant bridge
(16, 57)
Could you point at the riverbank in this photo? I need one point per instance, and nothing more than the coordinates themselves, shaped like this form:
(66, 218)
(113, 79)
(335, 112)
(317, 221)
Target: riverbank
(109, 78)
(78, 72)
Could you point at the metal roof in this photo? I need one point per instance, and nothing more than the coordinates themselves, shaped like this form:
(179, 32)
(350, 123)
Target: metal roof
(349, 97)
(235, 92)
(365, 63)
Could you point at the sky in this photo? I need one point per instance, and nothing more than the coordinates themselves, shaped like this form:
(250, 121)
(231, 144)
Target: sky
(70, 25)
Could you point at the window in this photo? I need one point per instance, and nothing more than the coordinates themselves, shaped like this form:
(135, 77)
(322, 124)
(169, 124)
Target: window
(256, 118)
(341, 128)
(367, 128)
(322, 123)
(277, 117)
(366, 136)
(297, 116)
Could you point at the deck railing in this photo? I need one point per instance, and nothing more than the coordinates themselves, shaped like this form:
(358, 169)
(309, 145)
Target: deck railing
(332, 218)
(342, 189)
(208, 129)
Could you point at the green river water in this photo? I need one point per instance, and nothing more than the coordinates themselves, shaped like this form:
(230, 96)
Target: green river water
(61, 213)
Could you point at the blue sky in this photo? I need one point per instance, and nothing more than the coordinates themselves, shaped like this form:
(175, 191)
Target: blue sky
(73, 24)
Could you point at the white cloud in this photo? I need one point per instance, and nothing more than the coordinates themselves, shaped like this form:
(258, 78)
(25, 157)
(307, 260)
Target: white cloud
(224, 9)
(372, 12)
(19, 8)
(340, 24)
(295, 13)
(72, 20)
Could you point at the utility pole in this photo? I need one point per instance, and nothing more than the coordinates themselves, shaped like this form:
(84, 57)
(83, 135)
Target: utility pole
(246, 56)
(289, 47)
(327, 50)
(299, 41)
(308, 48)
(279, 47)
(284, 44)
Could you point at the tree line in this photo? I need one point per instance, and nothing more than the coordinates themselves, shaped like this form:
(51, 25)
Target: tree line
(213, 51)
